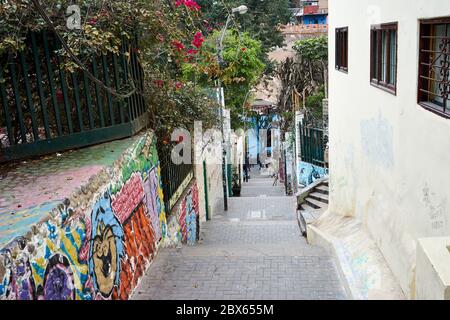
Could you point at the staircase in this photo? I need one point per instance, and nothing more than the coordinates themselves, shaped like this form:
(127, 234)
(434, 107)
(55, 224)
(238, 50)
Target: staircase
(312, 202)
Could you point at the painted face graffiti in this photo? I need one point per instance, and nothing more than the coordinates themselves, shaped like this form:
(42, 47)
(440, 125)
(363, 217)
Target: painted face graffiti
(105, 260)
(106, 247)
(59, 283)
(17, 282)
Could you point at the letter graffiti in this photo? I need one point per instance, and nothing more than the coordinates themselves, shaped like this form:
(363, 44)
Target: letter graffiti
(153, 202)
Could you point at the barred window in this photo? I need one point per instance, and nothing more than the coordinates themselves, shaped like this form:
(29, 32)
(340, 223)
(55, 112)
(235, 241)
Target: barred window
(434, 63)
(383, 57)
(342, 49)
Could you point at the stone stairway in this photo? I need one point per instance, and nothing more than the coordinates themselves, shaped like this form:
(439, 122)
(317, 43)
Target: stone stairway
(312, 203)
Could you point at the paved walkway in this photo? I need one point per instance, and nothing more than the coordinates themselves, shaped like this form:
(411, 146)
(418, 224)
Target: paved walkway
(253, 251)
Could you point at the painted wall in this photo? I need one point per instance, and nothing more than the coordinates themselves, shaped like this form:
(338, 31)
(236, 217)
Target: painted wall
(308, 173)
(183, 224)
(99, 241)
(388, 156)
(315, 19)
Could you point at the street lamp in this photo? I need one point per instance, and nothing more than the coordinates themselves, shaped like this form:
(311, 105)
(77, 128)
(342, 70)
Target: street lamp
(241, 10)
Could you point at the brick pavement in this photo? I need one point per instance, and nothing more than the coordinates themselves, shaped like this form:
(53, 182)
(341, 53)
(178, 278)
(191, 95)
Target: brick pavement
(254, 251)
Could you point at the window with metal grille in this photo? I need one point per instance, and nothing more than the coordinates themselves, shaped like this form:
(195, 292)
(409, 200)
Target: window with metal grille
(434, 66)
(383, 56)
(342, 49)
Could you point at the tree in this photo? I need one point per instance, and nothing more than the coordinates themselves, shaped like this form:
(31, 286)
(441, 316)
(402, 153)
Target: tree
(304, 78)
(261, 21)
(242, 70)
(315, 52)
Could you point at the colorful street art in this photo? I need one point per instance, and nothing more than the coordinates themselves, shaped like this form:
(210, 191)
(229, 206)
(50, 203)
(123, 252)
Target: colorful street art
(106, 250)
(98, 249)
(184, 224)
(58, 282)
(308, 173)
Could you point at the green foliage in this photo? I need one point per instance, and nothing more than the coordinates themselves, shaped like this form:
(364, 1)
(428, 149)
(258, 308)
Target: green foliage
(314, 105)
(261, 21)
(313, 49)
(243, 69)
(166, 33)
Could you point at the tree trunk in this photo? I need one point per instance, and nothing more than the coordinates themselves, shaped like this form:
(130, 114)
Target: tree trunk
(325, 78)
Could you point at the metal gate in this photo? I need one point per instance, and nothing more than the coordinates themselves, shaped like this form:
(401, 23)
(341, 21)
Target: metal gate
(312, 145)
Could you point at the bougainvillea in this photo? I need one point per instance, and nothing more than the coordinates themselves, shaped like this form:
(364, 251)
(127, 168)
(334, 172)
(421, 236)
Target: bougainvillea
(191, 4)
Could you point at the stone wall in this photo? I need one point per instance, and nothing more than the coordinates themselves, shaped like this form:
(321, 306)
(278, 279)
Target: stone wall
(97, 243)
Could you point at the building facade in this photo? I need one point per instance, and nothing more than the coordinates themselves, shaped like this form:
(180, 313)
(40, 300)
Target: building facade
(389, 124)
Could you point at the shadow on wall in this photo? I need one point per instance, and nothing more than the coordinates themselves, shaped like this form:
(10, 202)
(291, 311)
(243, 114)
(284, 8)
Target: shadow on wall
(100, 253)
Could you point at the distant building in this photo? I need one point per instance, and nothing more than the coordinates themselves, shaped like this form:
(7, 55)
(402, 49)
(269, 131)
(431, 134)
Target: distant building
(311, 13)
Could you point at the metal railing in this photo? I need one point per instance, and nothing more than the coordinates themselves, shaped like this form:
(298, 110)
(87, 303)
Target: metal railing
(46, 108)
(173, 178)
(312, 145)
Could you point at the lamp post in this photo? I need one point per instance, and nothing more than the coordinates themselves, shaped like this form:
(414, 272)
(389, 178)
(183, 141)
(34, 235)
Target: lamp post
(241, 10)
(245, 114)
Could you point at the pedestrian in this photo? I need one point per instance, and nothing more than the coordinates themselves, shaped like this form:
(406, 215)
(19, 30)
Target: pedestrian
(245, 172)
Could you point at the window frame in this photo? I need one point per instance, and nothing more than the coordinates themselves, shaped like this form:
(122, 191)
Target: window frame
(444, 110)
(376, 60)
(341, 52)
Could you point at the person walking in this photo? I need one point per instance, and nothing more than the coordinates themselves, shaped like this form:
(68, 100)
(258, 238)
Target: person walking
(246, 168)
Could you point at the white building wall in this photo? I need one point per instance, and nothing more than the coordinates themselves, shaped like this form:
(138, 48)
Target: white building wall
(389, 158)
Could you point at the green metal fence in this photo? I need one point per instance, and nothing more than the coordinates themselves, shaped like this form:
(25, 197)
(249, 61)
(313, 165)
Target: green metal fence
(312, 145)
(45, 108)
(172, 175)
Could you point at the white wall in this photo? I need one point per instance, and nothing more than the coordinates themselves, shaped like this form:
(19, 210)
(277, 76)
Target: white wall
(389, 158)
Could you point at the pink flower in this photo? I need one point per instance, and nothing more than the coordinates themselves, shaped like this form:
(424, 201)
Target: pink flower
(191, 4)
(178, 85)
(191, 52)
(178, 45)
(198, 40)
(159, 83)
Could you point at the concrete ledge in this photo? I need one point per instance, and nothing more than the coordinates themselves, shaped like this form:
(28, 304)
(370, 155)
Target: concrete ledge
(433, 269)
(319, 238)
(364, 271)
(86, 224)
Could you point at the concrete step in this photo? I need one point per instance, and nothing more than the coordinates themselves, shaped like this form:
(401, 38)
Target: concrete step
(305, 207)
(322, 189)
(301, 223)
(319, 197)
(314, 203)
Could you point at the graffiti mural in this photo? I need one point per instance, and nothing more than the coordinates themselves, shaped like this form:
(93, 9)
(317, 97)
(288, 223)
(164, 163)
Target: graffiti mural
(140, 249)
(17, 282)
(98, 244)
(308, 173)
(59, 281)
(153, 203)
(184, 225)
(106, 249)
